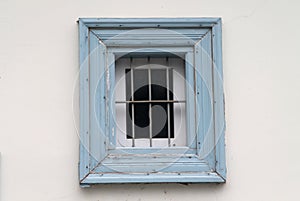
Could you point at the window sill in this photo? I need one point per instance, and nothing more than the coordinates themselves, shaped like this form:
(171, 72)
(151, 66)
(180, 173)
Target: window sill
(205, 177)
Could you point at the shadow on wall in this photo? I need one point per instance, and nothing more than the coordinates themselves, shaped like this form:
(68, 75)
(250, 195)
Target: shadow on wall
(126, 190)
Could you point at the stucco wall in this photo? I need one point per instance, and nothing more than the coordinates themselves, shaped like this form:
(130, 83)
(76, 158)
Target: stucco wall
(38, 87)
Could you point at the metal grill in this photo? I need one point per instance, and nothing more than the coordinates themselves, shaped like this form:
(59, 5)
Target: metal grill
(169, 100)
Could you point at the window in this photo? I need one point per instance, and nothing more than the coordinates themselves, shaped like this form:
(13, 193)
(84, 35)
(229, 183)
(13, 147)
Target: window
(151, 101)
(154, 81)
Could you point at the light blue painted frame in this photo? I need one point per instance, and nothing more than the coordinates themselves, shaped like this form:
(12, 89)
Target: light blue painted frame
(102, 40)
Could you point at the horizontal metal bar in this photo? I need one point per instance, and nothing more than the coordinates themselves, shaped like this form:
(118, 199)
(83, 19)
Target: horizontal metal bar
(153, 101)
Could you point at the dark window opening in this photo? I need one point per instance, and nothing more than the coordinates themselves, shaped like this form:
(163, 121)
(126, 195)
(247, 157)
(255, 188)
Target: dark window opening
(150, 99)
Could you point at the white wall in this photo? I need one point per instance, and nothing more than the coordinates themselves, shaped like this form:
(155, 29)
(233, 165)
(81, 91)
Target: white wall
(38, 72)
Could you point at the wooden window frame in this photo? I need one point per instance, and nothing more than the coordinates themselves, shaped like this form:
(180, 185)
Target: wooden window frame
(199, 42)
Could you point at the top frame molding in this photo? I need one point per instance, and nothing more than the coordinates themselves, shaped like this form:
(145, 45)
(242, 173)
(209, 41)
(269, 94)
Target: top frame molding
(149, 22)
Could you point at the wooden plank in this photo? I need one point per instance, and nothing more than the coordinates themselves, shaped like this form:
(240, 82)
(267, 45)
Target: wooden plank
(149, 22)
(97, 55)
(190, 97)
(154, 178)
(219, 100)
(111, 104)
(180, 51)
(184, 42)
(152, 163)
(153, 167)
(84, 100)
(152, 150)
(204, 88)
(150, 34)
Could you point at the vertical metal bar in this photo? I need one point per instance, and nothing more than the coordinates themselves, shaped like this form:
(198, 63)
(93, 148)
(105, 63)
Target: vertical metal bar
(132, 106)
(168, 104)
(150, 104)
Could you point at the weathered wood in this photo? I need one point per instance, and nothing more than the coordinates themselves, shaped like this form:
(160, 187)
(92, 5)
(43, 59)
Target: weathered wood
(149, 22)
(154, 178)
(97, 93)
(219, 100)
(205, 96)
(84, 100)
(203, 160)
